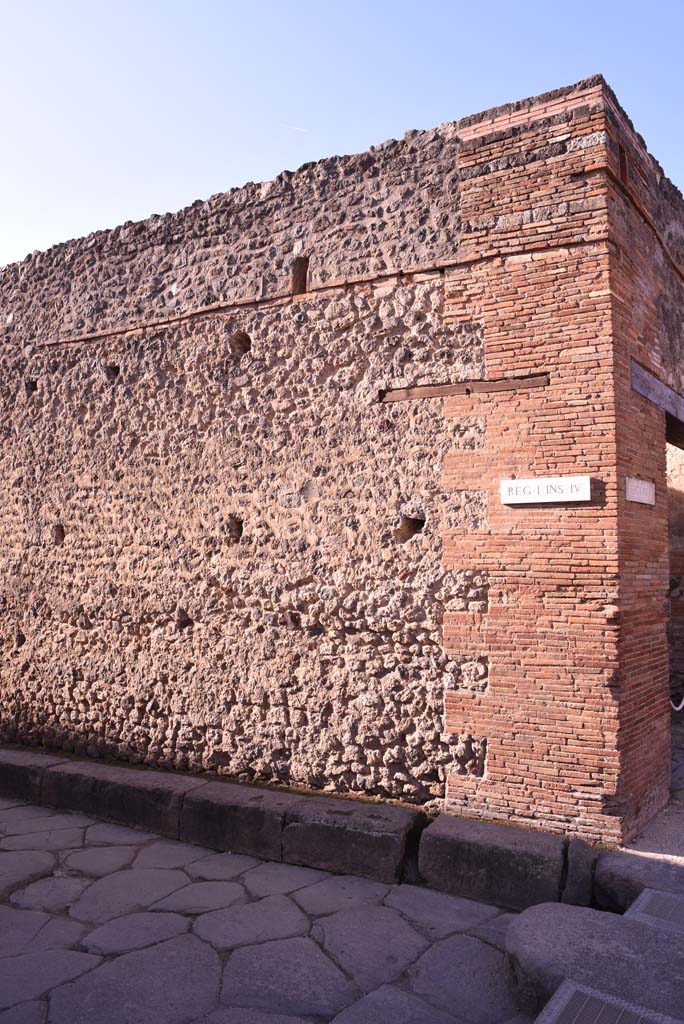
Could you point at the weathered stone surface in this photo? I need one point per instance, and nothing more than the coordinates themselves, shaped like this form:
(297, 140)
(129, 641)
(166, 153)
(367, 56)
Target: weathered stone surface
(52, 894)
(290, 976)
(200, 897)
(274, 917)
(273, 879)
(25, 1013)
(31, 975)
(150, 800)
(349, 837)
(579, 882)
(19, 868)
(21, 772)
(613, 954)
(342, 892)
(98, 861)
(620, 877)
(114, 835)
(372, 944)
(18, 928)
(168, 855)
(389, 1005)
(335, 346)
(125, 892)
(510, 867)
(174, 982)
(220, 867)
(22, 931)
(494, 930)
(21, 813)
(435, 914)
(238, 819)
(60, 839)
(241, 1015)
(464, 976)
(8, 803)
(60, 932)
(50, 823)
(135, 931)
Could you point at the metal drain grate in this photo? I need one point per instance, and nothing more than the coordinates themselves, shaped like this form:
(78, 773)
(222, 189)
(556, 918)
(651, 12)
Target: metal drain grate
(574, 1004)
(659, 909)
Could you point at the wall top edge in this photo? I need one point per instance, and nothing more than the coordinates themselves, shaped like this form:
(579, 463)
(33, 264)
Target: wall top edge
(252, 193)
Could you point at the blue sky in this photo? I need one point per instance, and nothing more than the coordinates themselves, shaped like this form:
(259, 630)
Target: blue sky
(112, 111)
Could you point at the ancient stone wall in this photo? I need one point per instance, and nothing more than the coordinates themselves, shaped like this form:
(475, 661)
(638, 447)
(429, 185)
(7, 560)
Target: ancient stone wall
(392, 208)
(204, 543)
(223, 549)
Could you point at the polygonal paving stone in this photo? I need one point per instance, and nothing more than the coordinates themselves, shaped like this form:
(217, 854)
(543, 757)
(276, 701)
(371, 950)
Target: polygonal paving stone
(125, 892)
(341, 892)
(18, 868)
(97, 861)
(18, 928)
(494, 930)
(389, 1005)
(373, 944)
(23, 978)
(59, 839)
(288, 976)
(24, 812)
(271, 879)
(51, 894)
(59, 932)
(241, 1015)
(24, 930)
(50, 824)
(468, 978)
(168, 854)
(275, 917)
(170, 983)
(117, 835)
(436, 914)
(135, 931)
(201, 897)
(220, 867)
(25, 1013)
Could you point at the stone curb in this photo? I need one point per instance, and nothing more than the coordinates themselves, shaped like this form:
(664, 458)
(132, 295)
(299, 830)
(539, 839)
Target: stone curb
(616, 955)
(512, 867)
(621, 877)
(378, 841)
(500, 864)
(131, 796)
(346, 837)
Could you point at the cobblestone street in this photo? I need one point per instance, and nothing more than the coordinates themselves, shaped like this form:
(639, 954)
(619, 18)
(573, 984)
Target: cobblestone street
(100, 923)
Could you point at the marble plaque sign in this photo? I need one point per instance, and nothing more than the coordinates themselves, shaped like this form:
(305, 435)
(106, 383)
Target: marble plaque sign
(642, 491)
(560, 489)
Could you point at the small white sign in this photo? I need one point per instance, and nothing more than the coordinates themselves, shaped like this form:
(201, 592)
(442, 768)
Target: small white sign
(642, 491)
(546, 489)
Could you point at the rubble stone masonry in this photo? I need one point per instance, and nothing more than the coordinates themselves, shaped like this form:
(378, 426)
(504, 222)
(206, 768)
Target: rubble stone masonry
(237, 536)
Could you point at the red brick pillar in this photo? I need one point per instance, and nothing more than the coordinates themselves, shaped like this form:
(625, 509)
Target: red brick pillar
(536, 274)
